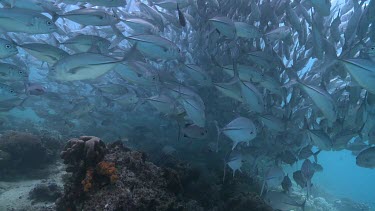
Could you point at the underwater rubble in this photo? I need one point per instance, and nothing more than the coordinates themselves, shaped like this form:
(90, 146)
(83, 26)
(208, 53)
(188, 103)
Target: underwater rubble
(114, 177)
(45, 192)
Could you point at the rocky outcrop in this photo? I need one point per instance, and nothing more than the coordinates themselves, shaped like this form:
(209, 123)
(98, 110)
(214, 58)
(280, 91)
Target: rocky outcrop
(22, 152)
(113, 177)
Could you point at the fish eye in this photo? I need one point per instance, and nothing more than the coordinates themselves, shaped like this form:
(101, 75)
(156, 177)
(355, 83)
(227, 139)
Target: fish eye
(7, 46)
(20, 72)
(11, 91)
(251, 132)
(49, 22)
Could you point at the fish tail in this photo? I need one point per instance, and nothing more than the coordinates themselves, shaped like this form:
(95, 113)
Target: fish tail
(225, 168)
(264, 184)
(303, 205)
(218, 135)
(179, 132)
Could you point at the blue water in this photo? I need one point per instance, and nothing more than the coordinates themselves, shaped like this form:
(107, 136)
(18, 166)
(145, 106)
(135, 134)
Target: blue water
(343, 178)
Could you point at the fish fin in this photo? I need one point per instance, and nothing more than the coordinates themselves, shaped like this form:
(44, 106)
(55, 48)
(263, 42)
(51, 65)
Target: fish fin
(119, 37)
(188, 124)
(234, 145)
(54, 16)
(130, 54)
(316, 156)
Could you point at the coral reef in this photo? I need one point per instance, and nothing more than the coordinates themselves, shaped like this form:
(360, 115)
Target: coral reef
(123, 179)
(21, 152)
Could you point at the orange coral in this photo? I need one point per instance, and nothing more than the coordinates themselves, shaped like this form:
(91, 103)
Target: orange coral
(108, 169)
(87, 182)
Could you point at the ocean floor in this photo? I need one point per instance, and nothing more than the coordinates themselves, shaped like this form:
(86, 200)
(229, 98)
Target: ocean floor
(15, 195)
(115, 177)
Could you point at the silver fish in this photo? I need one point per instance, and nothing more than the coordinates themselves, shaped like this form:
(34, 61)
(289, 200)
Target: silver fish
(138, 73)
(94, 17)
(247, 31)
(322, 100)
(246, 73)
(273, 178)
(194, 131)
(239, 130)
(323, 7)
(83, 66)
(362, 71)
(10, 72)
(88, 43)
(321, 139)
(366, 158)
(141, 26)
(230, 89)
(163, 103)
(7, 93)
(45, 52)
(273, 123)
(27, 21)
(198, 74)
(279, 33)
(235, 162)
(225, 26)
(172, 4)
(7, 49)
(155, 46)
(195, 110)
(252, 97)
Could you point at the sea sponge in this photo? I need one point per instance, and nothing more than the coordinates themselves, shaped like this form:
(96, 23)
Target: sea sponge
(89, 149)
(107, 169)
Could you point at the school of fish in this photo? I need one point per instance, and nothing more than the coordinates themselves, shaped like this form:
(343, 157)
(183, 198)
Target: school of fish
(289, 78)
